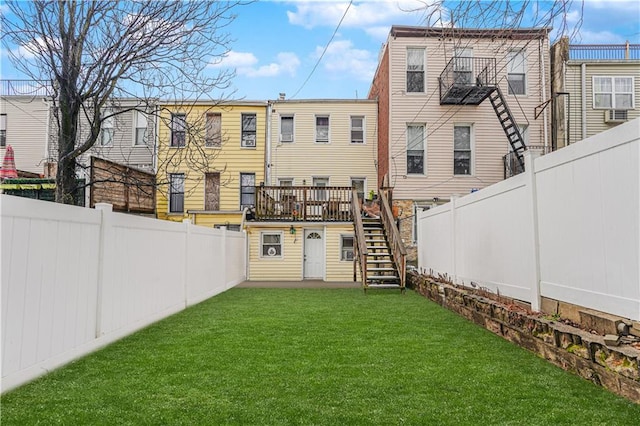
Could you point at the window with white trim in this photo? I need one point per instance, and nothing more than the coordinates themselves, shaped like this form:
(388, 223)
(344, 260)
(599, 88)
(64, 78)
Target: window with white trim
(322, 128)
(321, 194)
(3, 129)
(462, 150)
(463, 66)
(178, 130)
(271, 244)
(249, 124)
(415, 149)
(106, 129)
(360, 185)
(415, 70)
(613, 92)
(247, 190)
(176, 193)
(286, 128)
(141, 136)
(357, 129)
(346, 247)
(517, 73)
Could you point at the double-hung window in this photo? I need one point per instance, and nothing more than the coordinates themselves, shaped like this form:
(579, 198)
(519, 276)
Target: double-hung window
(415, 149)
(359, 184)
(286, 128)
(462, 154)
(106, 129)
(517, 73)
(415, 70)
(178, 130)
(613, 92)
(463, 66)
(213, 130)
(249, 130)
(346, 247)
(271, 244)
(3, 129)
(176, 193)
(322, 128)
(141, 129)
(247, 190)
(357, 129)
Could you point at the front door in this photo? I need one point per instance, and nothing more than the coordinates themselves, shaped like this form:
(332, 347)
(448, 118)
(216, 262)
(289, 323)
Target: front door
(313, 254)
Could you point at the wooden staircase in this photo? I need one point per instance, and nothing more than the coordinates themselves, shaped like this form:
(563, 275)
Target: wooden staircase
(378, 249)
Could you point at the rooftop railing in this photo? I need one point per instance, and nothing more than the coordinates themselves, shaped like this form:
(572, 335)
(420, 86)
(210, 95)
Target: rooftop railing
(604, 52)
(25, 88)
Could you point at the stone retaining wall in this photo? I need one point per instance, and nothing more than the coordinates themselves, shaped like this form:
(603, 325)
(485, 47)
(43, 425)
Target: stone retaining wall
(614, 368)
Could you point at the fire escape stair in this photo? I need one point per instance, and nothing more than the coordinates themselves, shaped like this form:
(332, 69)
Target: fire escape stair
(508, 123)
(381, 268)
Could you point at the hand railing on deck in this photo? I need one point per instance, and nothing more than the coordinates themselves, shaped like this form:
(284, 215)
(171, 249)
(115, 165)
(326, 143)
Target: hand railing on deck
(393, 236)
(360, 245)
(304, 203)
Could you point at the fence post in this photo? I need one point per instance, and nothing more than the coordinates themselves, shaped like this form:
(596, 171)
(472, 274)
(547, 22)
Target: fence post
(530, 172)
(223, 256)
(105, 229)
(185, 272)
(454, 270)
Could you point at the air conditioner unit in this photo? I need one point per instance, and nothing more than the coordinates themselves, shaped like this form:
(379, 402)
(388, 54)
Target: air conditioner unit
(615, 116)
(286, 138)
(249, 142)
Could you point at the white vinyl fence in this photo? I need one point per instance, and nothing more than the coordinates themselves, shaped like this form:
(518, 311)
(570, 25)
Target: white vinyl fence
(567, 229)
(76, 279)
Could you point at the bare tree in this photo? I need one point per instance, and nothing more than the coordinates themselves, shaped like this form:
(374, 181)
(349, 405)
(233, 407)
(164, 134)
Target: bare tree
(93, 52)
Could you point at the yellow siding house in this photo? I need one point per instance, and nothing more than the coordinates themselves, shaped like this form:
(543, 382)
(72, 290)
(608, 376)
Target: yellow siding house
(210, 160)
(317, 152)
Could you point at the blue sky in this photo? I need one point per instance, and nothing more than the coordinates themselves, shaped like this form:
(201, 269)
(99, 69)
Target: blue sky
(277, 44)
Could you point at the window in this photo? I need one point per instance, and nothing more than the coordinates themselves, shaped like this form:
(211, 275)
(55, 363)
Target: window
(178, 130)
(3, 129)
(230, 227)
(286, 128)
(106, 129)
(322, 128)
(247, 190)
(212, 191)
(613, 92)
(462, 150)
(360, 186)
(321, 194)
(213, 130)
(415, 70)
(271, 244)
(141, 129)
(249, 130)
(176, 193)
(285, 181)
(415, 149)
(463, 66)
(346, 244)
(516, 73)
(357, 129)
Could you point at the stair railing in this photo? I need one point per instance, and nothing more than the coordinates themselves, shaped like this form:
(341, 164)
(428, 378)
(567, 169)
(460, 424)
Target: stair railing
(360, 244)
(393, 236)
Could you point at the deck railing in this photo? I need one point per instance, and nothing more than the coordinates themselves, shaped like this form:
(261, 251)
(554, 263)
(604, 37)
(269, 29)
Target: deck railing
(604, 52)
(393, 237)
(360, 244)
(303, 203)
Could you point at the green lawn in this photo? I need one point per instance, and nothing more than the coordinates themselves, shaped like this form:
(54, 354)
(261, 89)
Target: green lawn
(314, 357)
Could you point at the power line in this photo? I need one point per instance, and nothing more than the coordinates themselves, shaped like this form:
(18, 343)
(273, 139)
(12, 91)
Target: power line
(324, 51)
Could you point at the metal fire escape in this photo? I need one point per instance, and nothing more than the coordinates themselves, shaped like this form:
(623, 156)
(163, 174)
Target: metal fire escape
(469, 81)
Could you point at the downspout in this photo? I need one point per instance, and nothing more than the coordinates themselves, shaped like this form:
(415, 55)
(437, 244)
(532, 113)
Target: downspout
(544, 95)
(154, 157)
(268, 147)
(583, 93)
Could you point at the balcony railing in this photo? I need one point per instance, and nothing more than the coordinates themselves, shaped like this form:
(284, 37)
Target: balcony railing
(511, 165)
(467, 80)
(604, 52)
(24, 88)
(303, 203)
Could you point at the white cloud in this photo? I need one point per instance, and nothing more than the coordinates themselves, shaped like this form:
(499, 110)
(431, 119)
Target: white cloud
(245, 64)
(234, 59)
(598, 37)
(361, 14)
(342, 59)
